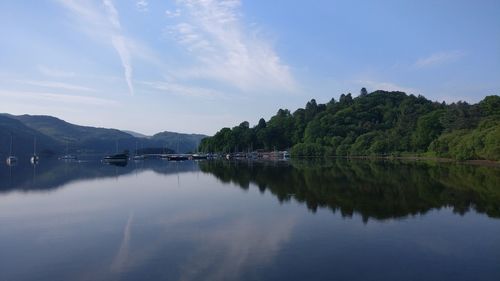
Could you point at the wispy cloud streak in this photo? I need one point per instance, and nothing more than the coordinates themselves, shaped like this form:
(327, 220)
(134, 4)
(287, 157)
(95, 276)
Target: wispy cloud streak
(121, 47)
(173, 14)
(174, 88)
(120, 261)
(213, 32)
(120, 43)
(54, 97)
(56, 85)
(47, 71)
(142, 5)
(107, 25)
(112, 13)
(439, 58)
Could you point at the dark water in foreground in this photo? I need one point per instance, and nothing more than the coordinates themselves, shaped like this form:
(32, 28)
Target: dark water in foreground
(338, 220)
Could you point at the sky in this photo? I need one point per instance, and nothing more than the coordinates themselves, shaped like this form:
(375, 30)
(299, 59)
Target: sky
(195, 66)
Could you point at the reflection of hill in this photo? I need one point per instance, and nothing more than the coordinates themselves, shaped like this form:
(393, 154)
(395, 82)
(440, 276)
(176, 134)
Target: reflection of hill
(51, 174)
(378, 190)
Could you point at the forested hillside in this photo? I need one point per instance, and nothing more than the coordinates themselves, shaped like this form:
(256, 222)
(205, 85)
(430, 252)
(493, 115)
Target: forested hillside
(23, 139)
(55, 137)
(379, 123)
(176, 141)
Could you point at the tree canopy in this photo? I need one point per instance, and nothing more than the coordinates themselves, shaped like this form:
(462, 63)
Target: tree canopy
(377, 123)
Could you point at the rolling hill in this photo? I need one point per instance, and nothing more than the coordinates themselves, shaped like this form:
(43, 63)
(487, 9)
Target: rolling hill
(56, 136)
(177, 141)
(23, 138)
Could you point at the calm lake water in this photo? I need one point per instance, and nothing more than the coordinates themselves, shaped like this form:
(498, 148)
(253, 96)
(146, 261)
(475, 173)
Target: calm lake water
(239, 220)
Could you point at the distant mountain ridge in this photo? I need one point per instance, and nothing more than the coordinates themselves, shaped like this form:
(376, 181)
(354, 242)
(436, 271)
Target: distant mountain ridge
(178, 141)
(135, 134)
(23, 139)
(56, 136)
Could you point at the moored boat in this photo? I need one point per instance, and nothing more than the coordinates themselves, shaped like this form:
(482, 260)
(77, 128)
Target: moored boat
(139, 157)
(34, 159)
(11, 159)
(117, 157)
(177, 157)
(120, 157)
(199, 156)
(68, 157)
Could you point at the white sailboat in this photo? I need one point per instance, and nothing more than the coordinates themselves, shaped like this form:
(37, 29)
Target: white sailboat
(34, 159)
(68, 157)
(11, 160)
(137, 156)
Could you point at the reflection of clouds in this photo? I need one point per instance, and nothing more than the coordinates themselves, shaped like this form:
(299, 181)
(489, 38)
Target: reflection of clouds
(226, 251)
(120, 260)
(213, 248)
(192, 216)
(439, 246)
(171, 228)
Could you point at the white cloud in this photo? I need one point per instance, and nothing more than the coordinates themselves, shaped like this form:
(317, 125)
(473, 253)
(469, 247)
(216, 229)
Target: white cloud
(439, 58)
(142, 5)
(121, 47)
(47, 71)
(225, 252)
(213, 33)
(56, 85)
(83, 11)
(248, 243)
(120, 260)
(173, 14)
(112, 13)
(104, 25)
(224, 52)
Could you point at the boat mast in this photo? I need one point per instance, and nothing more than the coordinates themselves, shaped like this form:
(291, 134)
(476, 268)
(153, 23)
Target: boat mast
(178, 139)
(10, 151)
(34, 146)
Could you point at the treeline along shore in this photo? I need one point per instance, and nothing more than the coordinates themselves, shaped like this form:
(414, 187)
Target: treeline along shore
(380, 124)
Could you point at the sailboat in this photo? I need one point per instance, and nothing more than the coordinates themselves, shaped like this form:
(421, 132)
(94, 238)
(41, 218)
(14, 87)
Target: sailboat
(11, 160)
(137, 156)
(117, 157)
(67, 156)
(178, 156)
(34, 159)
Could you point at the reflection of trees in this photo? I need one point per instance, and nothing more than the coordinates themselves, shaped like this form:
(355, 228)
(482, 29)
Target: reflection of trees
(373, 189)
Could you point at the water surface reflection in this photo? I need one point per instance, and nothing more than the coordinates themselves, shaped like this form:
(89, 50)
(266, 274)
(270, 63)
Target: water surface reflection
(220, 220)
(374, 189)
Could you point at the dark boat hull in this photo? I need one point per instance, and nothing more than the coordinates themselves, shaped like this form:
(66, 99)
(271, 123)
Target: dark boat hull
(116, 158)
(199, 157)
(177, 158)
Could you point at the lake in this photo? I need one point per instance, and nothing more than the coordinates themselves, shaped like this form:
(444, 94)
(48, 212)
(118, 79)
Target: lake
(249, 220)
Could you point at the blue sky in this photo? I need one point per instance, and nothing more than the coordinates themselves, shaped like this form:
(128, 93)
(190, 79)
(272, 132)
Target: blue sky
(199, 65)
